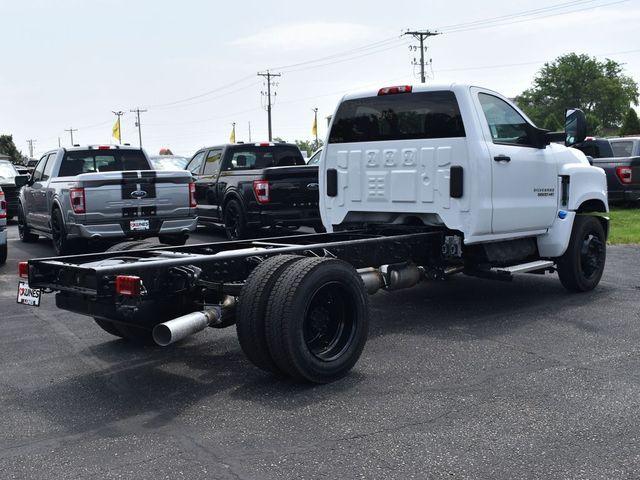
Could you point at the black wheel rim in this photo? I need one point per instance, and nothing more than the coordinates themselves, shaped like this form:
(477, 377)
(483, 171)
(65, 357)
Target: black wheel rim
(591, 255)
(330, 322)
(232, 221)
(56, 232)
(21, 224)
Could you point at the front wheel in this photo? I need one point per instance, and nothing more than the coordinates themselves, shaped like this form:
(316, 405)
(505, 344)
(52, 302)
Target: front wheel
(580, 268)
(23, 230)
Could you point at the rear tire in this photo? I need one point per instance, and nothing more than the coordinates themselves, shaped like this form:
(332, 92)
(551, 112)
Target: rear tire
(61, 243)
(580, 268)
(23, 230)
(317, 319)
(4, 253)
(252, 307)
(235, 222)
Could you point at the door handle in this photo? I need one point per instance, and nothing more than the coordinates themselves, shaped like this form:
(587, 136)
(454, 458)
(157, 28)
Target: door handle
(502, 158)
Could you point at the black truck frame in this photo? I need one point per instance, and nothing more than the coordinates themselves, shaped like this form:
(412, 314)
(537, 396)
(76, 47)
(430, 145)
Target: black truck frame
(300, 303)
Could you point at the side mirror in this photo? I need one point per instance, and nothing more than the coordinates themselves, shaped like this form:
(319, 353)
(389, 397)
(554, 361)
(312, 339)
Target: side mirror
(575, 126)
(21, 180)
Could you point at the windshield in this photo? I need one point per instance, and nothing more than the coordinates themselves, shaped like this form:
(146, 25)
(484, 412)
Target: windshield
(7, 170)
(398, 117)
(165, 162)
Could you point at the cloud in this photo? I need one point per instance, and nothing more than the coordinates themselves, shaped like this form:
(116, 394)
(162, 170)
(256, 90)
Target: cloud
(307, 36)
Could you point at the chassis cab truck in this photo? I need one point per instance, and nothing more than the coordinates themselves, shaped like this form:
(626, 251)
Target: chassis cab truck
(415, 183)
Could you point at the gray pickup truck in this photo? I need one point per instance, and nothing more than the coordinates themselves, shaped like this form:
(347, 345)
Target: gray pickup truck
(104, 192)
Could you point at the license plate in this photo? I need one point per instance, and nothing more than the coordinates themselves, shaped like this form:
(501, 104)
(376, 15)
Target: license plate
(28, 295)
(135, 225)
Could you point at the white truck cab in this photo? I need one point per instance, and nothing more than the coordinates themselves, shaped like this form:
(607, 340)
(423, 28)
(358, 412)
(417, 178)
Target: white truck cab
(458, 157)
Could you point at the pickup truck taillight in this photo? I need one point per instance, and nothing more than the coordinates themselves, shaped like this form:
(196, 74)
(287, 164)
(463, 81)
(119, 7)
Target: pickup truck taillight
(128, 285)
(77, 200)
(3, 206)
(261, 189)
(625, 174)
(23, 269)
(192, 195)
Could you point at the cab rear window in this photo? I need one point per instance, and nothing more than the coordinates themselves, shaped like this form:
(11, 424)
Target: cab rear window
(92, 161)
(403, 116)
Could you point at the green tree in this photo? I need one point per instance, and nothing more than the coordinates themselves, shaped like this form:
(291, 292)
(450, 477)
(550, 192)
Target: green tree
(552, 123)
(308, 146)
(9, 148)
(598, 87)
(631, 123)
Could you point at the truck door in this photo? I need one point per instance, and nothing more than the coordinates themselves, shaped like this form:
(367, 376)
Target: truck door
(524, 177)
(36, 208)
(195, 167)
(210, 174)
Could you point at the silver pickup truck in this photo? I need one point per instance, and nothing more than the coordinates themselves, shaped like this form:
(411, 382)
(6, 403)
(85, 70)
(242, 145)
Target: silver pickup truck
(104, 192)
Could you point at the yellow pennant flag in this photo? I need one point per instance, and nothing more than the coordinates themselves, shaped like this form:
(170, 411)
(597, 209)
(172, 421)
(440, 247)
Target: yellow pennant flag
(232, 137)
(115, 131)
(314, 128)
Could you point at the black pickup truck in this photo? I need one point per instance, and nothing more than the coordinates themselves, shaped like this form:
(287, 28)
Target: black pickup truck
(620, 159)
(248, 186)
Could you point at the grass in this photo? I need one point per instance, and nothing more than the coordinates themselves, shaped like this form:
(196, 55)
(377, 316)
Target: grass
(625, 225)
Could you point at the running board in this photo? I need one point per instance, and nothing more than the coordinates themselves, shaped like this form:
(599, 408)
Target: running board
(526, 267)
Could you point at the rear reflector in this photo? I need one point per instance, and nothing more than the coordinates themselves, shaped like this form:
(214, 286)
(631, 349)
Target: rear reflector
(77, 200)
(192, 195)
(128, 285)
(23, 269)
(261, 190)
(625, 174)
(3, 206)
(396, 89)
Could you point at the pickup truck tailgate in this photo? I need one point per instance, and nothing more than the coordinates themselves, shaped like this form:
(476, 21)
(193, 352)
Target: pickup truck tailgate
(293, 186)
(113, 196)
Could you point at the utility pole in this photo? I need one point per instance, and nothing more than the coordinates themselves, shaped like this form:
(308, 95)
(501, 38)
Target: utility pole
(31, 141)
(268, 76)
(137, 111)
(118, 114)
(249, 131)
(420, 36)
(71, 130)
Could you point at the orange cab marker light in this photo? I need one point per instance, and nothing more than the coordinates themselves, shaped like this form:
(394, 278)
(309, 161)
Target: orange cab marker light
(128, 285)
(23, 269)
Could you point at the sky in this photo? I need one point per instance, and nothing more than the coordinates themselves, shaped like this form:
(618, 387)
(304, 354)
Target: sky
(193, 65)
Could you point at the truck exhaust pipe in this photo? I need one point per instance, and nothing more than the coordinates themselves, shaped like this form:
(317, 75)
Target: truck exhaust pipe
(180, 328)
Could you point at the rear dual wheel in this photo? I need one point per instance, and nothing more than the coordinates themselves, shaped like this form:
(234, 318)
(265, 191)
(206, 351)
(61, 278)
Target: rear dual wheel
(309, 320)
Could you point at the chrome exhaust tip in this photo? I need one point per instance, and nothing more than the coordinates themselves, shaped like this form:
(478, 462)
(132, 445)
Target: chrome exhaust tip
(180, 328)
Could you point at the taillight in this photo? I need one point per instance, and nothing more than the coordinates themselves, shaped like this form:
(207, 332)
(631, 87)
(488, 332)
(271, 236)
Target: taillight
(625, 174)
(104, 147)
(23, 269)
(128, 285)
(397, 89)
(192, 195)
(261, 189)
(77, 200)
(3, 206)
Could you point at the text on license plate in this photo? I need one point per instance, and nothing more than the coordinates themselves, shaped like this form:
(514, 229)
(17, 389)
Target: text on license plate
(28, 295)
(139, 225)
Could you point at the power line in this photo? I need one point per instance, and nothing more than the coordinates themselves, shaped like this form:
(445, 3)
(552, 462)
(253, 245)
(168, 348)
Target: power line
(268, 76)
(71, 130)
(138, 111)
(421, 36)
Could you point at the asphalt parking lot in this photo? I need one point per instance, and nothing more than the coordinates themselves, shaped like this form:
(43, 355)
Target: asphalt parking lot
(466, 378)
